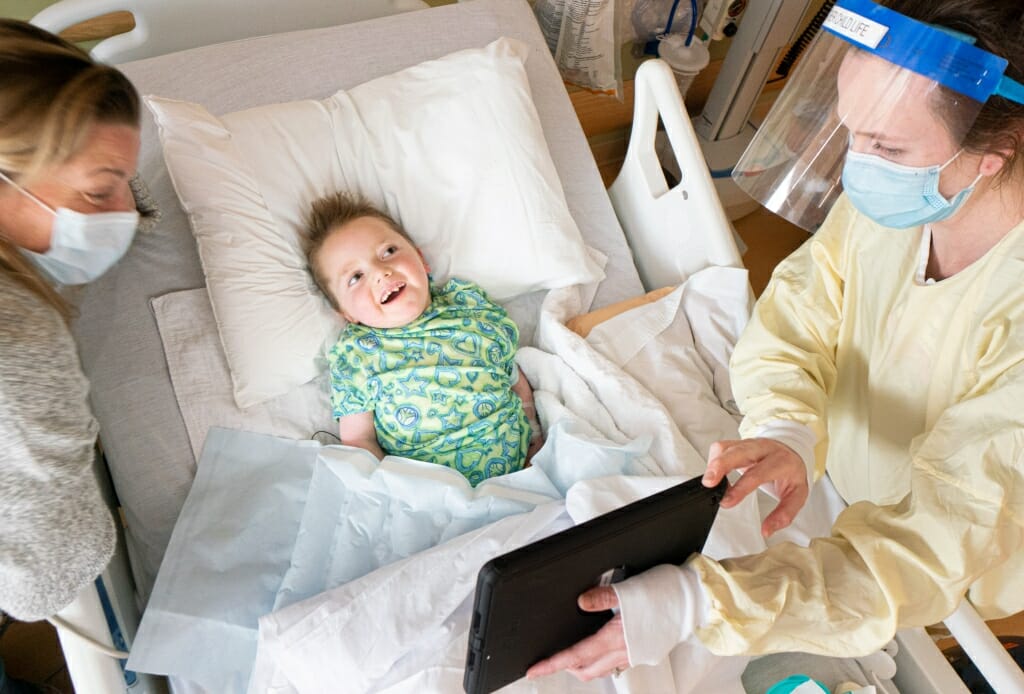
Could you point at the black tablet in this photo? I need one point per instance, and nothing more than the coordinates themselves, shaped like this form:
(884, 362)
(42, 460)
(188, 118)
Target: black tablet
(525, 605)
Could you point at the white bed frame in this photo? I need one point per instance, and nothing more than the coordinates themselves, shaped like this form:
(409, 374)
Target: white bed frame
(651, 213)
(165, 26)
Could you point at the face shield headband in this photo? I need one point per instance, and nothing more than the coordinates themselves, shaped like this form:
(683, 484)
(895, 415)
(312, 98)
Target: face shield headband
(794, 164)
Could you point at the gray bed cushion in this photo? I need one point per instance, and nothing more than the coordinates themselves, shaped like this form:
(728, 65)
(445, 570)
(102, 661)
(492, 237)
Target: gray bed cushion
(142, 430)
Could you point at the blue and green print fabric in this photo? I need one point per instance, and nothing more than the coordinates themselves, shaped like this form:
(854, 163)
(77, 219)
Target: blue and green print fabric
(439, 387)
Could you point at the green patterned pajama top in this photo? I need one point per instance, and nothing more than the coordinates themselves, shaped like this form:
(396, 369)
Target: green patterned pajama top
(440, 388)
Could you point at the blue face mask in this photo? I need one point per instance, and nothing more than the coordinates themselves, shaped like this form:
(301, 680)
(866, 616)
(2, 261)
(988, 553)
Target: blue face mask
(899, 196)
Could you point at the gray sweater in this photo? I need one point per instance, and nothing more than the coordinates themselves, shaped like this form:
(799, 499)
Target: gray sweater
(56, 534)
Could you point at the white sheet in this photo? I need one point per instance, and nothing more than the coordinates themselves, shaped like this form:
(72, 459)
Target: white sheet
(349, 639)
(202, 382)
(713, 305)
(600, 422)
(403, 628)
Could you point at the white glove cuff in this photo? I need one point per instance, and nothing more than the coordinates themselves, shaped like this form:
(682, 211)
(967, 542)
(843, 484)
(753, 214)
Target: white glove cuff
(798, 437)
(660, 608)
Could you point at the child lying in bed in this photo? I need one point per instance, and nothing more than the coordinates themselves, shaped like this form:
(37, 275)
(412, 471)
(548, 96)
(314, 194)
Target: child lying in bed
(420, 371)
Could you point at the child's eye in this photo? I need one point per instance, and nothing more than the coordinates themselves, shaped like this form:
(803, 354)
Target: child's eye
(389, 251)
(354, 278)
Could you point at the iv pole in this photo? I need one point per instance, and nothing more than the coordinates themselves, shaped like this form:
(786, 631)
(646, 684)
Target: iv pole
(723, 129)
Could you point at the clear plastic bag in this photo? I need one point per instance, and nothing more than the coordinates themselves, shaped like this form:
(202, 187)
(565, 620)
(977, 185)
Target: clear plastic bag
(549, 16)
(583, 36)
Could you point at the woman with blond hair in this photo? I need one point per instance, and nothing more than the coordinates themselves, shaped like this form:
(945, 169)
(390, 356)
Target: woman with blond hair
(69, 140)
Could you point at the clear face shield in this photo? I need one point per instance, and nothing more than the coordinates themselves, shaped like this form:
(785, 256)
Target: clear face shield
(879, 105)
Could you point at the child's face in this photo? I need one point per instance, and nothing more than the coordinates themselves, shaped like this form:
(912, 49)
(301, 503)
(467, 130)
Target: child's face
(376, 275)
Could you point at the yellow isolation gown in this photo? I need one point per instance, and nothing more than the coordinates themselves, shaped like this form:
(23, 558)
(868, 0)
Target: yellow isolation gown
(916, 394)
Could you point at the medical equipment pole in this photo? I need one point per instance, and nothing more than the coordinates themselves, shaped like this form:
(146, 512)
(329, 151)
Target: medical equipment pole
(723, 130)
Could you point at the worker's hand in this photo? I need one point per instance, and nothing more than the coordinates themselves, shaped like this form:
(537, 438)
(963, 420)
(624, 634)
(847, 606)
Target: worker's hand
(761, 461)
(599, 655)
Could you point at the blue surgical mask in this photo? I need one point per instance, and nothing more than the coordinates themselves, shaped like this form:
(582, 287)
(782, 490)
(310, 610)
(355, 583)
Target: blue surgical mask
(899, 196)
(82, 246)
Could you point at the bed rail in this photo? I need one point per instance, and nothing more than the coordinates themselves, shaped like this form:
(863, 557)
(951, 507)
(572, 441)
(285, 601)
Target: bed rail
(672, 231)
(97, 629)
(985, 650)
(164, 27)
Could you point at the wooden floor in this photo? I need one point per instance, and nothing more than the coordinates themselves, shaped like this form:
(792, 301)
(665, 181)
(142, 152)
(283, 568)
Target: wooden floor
(769, 239)
(30, 651)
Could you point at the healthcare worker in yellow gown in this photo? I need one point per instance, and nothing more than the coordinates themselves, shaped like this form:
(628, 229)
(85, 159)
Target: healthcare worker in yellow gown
(887, 352)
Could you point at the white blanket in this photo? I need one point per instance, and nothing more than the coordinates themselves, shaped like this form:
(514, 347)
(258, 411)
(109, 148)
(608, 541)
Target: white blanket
(403, 627)
(275, 524)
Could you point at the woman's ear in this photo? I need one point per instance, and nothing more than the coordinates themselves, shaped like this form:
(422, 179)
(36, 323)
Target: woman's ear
(992, 163)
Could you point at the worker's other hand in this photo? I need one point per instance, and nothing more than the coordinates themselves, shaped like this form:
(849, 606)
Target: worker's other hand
(602, 654)
(761, 461)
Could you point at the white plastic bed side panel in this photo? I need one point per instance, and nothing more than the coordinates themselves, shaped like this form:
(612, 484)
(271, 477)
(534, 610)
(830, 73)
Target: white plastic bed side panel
(921, 668)
(674, 232)
(162, 26)
(120, 589)
(90, 670)
(985, 650)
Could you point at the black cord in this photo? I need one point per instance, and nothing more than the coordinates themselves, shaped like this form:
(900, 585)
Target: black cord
(333, 436)
(786, 64)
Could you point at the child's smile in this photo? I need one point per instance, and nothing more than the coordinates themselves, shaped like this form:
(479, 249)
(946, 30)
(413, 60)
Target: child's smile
(377, 276)
(392, 292)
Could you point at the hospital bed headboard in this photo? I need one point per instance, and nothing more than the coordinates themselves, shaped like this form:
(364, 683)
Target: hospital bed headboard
(166, 26)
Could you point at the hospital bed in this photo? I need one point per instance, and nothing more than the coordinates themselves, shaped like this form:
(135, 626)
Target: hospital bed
(150, 448)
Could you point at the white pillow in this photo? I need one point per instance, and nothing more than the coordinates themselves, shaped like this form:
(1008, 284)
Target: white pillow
(452, 148)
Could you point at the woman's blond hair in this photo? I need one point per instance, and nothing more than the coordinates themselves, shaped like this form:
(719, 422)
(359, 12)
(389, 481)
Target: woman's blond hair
(51, 93)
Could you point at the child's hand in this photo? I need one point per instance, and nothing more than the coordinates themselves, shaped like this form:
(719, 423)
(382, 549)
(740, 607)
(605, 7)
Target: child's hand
(536, 443)
(536, 433)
